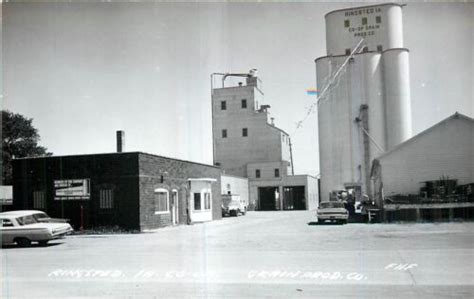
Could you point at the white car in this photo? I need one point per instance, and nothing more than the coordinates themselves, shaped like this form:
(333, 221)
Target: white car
(332, 211)
(22, 228)
(40, 216)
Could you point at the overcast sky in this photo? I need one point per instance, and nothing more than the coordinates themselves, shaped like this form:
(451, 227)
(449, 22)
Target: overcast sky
(84, 70)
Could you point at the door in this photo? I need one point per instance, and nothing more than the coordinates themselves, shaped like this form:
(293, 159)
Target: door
(174, 207)
(267, 197)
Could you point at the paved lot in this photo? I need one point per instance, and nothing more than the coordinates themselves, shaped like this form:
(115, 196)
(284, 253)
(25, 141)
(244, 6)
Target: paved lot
(263, 254)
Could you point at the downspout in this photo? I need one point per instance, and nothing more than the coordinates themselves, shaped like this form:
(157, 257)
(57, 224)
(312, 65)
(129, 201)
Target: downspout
(291, 158)
(212, 118)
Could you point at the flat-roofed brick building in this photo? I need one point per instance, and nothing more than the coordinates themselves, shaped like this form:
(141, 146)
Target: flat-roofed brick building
(133, 190)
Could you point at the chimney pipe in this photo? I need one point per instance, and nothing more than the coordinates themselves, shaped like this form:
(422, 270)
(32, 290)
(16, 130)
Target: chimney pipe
(120, 141)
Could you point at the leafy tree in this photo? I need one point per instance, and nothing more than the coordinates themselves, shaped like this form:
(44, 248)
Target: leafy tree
(19, 140)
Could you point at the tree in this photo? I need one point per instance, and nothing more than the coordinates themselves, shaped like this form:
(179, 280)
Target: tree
(19, 139)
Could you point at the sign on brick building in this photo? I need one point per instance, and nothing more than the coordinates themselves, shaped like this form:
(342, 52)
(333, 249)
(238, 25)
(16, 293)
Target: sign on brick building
(78, 189)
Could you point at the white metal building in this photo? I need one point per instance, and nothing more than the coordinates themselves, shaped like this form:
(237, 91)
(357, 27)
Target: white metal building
(367, 109)
(446, 150)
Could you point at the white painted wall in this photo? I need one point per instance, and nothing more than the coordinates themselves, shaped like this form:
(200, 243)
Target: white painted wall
(203, 214)
(447, 149)
(311, 188)
(235, 185)
(264, 142)
(388, 33)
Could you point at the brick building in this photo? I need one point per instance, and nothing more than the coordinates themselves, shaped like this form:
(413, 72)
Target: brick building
(134, 190)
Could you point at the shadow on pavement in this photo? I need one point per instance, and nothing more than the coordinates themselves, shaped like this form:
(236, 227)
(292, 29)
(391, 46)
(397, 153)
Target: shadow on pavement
(13, 246)
(323, 223)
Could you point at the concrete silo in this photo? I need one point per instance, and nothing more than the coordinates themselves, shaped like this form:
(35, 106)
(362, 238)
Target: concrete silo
(366, 110)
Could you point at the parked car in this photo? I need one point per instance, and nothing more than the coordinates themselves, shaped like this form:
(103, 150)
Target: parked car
(332, 211)
(40, 216)
(22, 228)
(233, 205)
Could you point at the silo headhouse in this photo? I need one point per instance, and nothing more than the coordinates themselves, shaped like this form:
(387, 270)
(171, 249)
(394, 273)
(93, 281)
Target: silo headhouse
(366, 109)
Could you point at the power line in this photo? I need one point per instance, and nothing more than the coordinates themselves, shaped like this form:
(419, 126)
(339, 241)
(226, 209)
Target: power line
(332, 82)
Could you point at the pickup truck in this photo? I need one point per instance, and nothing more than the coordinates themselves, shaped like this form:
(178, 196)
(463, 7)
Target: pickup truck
(233, 205)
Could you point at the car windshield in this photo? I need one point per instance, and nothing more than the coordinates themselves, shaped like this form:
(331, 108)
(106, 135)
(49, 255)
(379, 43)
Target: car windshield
(331, 205)
(29, 219)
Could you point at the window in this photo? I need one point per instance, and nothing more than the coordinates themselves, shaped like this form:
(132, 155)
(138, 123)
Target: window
(379, 48)
(224, 133)
(244, 132)
(346, 23)
(25, 220)
(277, 172)
(106, 199)
(217, 164)
(6, 223)
(223, 105)
(39, 200)
(364, 21)
(207, 201)
(197, 201)
(378, 19)
(257, 173)
(348, 51)
(244, 103)
(161, 201)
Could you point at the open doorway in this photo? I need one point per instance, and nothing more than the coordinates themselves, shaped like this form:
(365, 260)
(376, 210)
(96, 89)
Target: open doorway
(294, 198)
(267, 198)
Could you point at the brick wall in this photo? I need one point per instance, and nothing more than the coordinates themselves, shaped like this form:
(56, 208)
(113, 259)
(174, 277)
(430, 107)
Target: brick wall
(133, 177)
(175, 177)
(116, 171)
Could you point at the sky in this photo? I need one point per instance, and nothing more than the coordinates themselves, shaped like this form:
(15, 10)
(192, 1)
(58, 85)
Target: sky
(84, 70)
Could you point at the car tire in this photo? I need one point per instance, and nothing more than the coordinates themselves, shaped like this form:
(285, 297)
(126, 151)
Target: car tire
(237, 213)
(43, 243)
(23, 242)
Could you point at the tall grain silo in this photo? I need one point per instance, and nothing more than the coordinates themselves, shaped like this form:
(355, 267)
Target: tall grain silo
(366, 111)
(397, 96)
